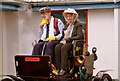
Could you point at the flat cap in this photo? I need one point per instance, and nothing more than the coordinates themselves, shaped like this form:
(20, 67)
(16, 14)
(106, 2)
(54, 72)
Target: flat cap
(45, 9)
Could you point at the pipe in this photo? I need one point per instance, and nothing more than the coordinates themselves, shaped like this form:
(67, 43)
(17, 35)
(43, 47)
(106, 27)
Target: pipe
(63, 7)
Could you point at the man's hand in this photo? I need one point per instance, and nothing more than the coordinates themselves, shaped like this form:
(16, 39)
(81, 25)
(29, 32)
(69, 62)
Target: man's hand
(43, 22)
(50, 39)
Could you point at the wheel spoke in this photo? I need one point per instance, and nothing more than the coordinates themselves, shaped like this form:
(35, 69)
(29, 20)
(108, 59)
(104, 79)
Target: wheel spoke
(105, 79)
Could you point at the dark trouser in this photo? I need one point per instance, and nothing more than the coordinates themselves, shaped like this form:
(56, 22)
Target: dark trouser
(61, 55)
(49, 48)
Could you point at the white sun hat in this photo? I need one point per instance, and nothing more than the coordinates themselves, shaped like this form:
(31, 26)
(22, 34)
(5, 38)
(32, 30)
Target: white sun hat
(70, 10)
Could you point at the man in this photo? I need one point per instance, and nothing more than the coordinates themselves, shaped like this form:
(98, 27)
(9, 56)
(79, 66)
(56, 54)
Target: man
(52, 33)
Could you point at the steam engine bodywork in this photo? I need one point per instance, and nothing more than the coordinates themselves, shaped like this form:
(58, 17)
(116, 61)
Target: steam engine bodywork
(40, 68)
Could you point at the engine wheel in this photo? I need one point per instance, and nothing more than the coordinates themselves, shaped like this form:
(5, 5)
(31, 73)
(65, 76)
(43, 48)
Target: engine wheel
(106, 77)
(6, 79)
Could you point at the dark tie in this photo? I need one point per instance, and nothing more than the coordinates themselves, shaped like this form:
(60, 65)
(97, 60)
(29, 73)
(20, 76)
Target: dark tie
(47, 32)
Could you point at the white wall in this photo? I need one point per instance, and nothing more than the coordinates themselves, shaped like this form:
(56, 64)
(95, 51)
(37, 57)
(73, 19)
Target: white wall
(102, 33)
(9, 38)
(1, 43)
(119, 43)
(20, 29)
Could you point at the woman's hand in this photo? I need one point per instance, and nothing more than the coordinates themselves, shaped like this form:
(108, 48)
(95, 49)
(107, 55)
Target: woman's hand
(64, 42)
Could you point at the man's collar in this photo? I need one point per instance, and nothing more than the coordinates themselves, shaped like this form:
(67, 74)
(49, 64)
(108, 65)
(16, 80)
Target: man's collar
(51, 19)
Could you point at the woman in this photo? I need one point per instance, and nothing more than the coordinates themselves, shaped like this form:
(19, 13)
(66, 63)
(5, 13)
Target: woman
(72, 31)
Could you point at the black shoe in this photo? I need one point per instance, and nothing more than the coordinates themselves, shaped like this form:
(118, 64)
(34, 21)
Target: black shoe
(62, 72)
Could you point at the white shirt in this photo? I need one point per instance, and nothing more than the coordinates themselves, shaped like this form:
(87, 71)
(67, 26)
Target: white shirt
(52, 31)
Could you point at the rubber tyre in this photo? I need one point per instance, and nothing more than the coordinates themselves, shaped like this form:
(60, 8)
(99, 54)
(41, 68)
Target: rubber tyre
(106, 77)
(6, 79)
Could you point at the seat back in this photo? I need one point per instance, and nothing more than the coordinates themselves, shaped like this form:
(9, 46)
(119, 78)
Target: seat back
(78, 46)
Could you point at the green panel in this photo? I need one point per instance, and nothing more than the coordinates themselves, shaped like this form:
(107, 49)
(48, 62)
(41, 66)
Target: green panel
(60, 16)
